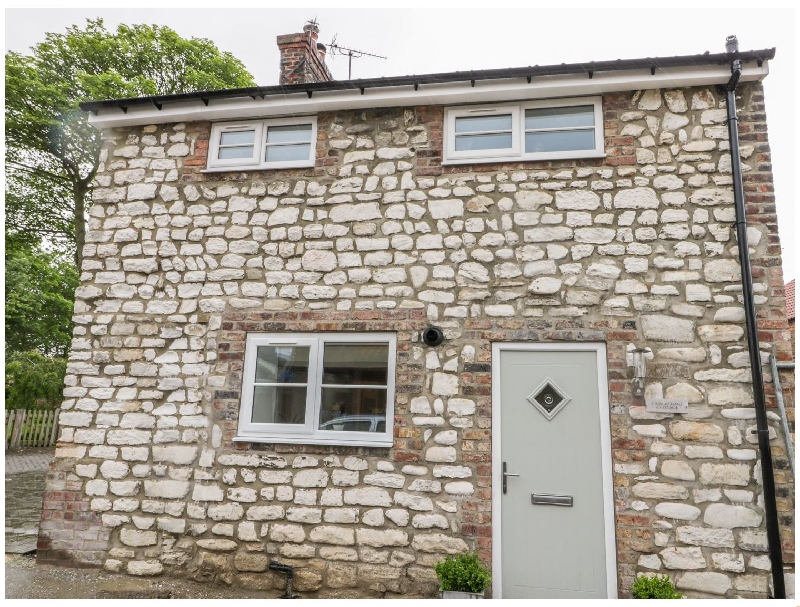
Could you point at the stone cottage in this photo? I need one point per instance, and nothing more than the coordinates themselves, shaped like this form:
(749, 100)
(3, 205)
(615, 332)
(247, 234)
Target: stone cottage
(357, 326)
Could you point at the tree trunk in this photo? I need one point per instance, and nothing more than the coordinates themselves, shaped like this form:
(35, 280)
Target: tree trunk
(79, 193)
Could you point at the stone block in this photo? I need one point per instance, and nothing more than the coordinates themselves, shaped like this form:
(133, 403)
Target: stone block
(636, 198)
(137, 539)
(677, 469)
(725, 474)
(731, 517)
(704, 536)
(683, 558)
(310, 478)
(339, 536)
(382, 479)
(167, 489)
(251, 561)
(225, 512)
(341, 575)
(441, 454)
(753, 540)
(444, 384)
(144, 568)
(668, 328)
(673, 510)
(114, 469)
(704, 581)
(367, 496)
(207, 493)
(378, 538)
(287, 533)
(413, 502)
(429, 521)
(696, 431)
(438, 543)
(181, 455)
(304, 515)
(338, 553)
(728, 562)
(651, 490)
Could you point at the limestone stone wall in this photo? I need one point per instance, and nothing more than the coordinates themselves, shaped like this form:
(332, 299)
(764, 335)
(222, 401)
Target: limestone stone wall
(634, 249)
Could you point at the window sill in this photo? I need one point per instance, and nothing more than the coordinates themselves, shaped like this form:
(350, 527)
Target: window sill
(537, 158)
(251, 167)
(307, 440)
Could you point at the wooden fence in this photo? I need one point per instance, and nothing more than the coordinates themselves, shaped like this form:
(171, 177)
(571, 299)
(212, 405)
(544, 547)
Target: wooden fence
(34, 428)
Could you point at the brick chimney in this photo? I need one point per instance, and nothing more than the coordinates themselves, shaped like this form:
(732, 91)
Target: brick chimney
(302, 57)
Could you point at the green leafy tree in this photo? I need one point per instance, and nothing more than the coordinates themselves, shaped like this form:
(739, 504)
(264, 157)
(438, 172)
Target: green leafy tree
(39, 295)
(34, 381)
(52, 153)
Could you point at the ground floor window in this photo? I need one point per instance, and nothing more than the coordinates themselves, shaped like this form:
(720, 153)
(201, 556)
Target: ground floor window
(328, 388)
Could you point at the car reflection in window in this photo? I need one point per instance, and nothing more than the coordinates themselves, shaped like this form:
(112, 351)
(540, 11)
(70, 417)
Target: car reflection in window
(356, 423)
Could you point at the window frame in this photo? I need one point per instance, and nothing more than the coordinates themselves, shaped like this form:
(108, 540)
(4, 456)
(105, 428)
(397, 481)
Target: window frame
(517, 152)
(258, 160)
(309, 432)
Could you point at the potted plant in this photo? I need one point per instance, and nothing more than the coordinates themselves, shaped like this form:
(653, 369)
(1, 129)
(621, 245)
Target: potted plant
(462, 577)
(654, 587)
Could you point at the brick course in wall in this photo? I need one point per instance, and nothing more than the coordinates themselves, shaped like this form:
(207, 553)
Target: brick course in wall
(636, 248)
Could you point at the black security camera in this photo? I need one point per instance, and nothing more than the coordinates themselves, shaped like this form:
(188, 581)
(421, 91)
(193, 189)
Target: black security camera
(432, 336)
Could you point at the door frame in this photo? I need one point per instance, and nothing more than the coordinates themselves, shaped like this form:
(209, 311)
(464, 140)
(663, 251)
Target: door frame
(605, 448)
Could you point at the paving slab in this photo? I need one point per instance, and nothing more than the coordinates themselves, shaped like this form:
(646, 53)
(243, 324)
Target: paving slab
(29, 460)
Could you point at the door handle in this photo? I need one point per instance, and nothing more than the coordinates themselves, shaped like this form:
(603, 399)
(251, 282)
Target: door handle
(505, 478)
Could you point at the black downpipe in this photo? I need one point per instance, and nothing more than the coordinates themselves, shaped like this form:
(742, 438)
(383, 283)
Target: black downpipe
(289, 571)
(770, 507)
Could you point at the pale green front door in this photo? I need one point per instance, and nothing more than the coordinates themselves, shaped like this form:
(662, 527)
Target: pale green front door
(551, 437)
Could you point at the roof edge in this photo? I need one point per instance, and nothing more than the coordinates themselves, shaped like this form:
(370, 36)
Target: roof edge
(654, 63)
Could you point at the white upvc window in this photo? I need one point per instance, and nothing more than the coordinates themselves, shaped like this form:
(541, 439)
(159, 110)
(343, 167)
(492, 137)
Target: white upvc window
(318, 388)
(550, 129)
(263, 144)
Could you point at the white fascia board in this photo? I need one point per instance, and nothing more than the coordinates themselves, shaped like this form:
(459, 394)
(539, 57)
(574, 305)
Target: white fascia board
(451, 93)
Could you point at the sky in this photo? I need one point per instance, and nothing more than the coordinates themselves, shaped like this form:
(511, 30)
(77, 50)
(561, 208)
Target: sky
(418, 39)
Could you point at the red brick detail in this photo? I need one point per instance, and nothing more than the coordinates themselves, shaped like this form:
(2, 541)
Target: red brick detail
(70, 534)
(302, 61)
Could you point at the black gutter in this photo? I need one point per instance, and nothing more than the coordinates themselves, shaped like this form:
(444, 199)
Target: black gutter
(590, 69)
(770, 506)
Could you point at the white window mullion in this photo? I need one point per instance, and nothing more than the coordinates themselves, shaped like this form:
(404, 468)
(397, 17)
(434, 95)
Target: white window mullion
(319, 364)
(262, 157)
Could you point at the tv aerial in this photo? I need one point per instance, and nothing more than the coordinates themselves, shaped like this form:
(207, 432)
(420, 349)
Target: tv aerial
(350, 53)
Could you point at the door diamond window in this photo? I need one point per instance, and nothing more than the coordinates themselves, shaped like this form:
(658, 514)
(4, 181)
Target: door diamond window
(548, 399)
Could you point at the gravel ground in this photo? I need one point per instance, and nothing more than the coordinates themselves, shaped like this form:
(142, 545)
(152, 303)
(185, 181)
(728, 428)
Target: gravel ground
(27, 580)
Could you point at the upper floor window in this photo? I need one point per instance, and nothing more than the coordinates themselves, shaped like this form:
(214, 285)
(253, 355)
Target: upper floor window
(263, 144)
(536, 130)
(325, 388)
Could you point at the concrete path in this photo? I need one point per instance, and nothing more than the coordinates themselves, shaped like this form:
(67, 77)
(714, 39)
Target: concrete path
(25, 475)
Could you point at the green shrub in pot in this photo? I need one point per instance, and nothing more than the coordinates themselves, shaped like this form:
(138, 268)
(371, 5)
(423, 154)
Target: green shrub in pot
(463, 573)
(655, 587)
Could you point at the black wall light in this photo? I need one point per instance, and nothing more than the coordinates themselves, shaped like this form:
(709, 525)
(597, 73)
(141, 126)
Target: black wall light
(432, 336)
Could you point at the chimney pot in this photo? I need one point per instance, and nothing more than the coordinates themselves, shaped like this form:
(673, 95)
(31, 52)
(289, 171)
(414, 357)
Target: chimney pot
(731, 44)
(313, 29)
